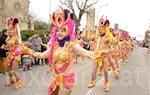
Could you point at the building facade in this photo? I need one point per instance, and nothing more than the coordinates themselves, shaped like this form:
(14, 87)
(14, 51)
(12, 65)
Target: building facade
(90, 18)
(18, 9)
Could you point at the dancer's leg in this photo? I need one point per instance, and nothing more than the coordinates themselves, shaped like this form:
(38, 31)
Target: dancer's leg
(64, 92)
(92, 82)
(15, 67)
(106, 80)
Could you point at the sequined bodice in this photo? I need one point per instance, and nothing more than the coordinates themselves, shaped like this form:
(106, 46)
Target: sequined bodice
(104, 43)
(63, 54)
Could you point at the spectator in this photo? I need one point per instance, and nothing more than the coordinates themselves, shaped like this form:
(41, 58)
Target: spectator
(43, 48)
(32, 46)
(38, 44)
(31, 40)
(3, 51)
(26, 62)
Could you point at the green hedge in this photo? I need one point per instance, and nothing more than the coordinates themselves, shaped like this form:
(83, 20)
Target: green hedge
(27, 33)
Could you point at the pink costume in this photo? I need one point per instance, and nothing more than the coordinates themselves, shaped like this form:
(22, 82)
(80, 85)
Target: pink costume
(14, 44)
(60, 76)
(62, 56)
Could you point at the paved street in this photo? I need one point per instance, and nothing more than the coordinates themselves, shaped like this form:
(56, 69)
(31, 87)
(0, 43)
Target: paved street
(134, 79)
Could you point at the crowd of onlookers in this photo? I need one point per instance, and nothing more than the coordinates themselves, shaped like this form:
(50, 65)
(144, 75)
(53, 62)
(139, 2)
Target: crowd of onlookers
(37, 44)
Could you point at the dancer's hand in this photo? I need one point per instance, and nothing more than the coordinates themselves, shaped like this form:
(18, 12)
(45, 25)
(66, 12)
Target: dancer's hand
(101, 53)
(35, 54)
(26, 44)
(97, 56)
(26, 50)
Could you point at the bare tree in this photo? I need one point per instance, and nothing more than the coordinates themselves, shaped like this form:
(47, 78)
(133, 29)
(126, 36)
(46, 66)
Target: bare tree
(28, 17)
(82, 6)
(38, 24)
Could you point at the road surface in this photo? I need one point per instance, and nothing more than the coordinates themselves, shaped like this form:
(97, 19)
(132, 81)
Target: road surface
(134, 79)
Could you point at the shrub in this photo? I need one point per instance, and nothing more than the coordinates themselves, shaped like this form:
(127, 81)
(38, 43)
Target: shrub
(25, 34)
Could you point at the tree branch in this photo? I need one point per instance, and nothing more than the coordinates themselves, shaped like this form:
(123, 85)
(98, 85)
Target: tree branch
(78, 5)
(66, 3)
(69, 4)
(85, 4)
(88, 6)
(82, 4)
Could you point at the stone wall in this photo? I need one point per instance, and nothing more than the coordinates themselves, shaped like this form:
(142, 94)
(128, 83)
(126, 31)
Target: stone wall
(90, 20)
(14, 8)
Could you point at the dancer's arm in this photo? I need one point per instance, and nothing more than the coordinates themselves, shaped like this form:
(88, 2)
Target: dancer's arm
(97, 44)
(82, 52)
(44, 54)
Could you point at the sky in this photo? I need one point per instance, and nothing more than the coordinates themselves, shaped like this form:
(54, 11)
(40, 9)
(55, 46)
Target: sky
(131, 15)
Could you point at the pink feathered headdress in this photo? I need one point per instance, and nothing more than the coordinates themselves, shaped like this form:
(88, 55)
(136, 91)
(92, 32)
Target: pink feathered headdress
(13, 24)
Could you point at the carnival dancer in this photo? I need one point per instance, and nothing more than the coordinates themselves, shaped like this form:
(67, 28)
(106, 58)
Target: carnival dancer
(92, 42)
(124, 47)
(14, 52)
(102, 58)
(62, 54)
(113, 62)
(15, 48)
(116, 56)
(82, 44)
